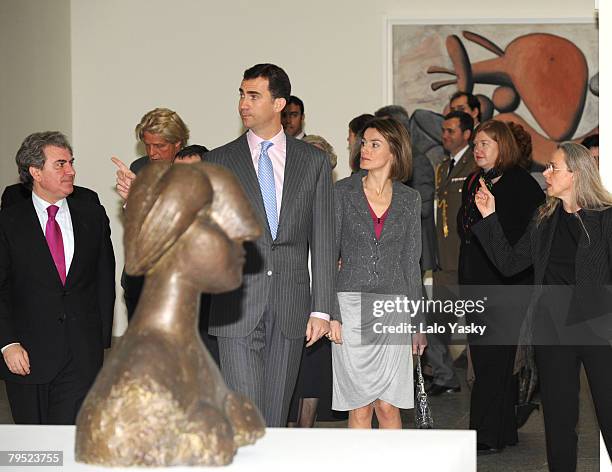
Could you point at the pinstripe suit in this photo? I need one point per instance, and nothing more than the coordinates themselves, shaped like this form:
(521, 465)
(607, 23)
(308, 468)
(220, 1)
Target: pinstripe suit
(261, 325)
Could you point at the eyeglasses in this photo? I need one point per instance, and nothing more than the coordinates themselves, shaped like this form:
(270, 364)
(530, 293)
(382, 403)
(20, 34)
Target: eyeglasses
(555, 169)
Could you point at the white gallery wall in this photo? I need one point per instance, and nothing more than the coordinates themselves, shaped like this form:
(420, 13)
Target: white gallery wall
(35, 84)
(125, 57)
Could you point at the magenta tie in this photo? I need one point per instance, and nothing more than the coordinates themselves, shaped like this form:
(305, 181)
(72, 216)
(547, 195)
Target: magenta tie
(53, 233)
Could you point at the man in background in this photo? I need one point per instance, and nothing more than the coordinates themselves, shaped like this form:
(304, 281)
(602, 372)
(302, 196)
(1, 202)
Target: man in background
(191, 154)
(292, 117)
(164, 134)
(467, 103)
(450, 176)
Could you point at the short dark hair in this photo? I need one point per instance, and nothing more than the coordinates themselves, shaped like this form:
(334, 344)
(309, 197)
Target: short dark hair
(396, 135)
(466, 122)
(192, 150)
(296, 101)
(472, 100)
(356, 124)
(279, 84)
(32, 153)
(591, 141)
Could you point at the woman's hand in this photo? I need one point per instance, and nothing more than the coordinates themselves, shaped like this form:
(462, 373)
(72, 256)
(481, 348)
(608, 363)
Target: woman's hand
(335, 332)
(419, 343)
(485, 201)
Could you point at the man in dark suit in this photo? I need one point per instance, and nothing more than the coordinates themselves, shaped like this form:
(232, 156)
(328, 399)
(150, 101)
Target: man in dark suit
(261, 326)
(18, 192)
(57, 289)
(450, 176)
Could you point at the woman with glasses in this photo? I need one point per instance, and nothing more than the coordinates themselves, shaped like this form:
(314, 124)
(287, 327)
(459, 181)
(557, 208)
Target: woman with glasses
(569, 245)
(494, 393)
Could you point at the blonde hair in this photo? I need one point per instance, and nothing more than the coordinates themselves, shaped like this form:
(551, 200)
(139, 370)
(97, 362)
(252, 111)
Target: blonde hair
(588, 192)
(166, 123)
(322, 143)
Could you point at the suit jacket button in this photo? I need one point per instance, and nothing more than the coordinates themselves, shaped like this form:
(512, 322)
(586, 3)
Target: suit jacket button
(269, 273)
(62, 317)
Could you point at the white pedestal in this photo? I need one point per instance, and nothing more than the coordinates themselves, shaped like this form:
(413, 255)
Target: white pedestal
(292, 450)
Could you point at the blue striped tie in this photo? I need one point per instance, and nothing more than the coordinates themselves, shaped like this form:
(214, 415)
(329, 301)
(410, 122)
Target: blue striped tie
(265, 173)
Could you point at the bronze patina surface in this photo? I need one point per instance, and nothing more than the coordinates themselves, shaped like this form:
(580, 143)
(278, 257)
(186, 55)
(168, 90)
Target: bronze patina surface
(160, 399)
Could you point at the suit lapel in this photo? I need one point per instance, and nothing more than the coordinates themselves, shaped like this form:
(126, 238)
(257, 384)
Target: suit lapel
(396, 207)
(245, 171)
(78, 218)
(588, 246)
(295, 166)
(359, 201)
(548, 232)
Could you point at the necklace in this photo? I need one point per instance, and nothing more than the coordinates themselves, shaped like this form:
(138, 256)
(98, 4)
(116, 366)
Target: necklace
(376, 191)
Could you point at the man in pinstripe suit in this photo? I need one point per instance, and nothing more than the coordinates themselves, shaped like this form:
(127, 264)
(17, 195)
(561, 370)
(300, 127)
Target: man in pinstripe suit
(261, 326)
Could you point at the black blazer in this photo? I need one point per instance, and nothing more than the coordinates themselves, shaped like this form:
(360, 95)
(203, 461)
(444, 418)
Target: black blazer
(517, 196)
(591, 298)
(139, 163)
(18, 192)
(40, 313)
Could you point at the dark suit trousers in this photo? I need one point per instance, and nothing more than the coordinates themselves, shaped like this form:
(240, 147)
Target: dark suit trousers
(263, 366)
(494, 395)
(56, 402)
(559, 369)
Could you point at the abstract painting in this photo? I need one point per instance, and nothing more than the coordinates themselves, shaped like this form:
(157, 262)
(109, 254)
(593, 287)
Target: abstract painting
(543, 76)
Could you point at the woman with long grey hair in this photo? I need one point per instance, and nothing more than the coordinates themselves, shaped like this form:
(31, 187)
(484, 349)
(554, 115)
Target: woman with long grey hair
(569, 244)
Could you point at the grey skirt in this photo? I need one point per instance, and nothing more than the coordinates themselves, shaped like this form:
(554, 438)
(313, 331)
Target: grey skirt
(366, 369)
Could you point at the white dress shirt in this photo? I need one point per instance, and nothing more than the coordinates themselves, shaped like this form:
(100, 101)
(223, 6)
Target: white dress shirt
(63, 219)
(459, 155)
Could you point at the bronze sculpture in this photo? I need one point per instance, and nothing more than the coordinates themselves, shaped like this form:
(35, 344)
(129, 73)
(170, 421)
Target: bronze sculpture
(160, 399)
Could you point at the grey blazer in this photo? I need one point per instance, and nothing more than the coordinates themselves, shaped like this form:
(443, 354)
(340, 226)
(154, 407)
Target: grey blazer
(276, 272)
(389, 265)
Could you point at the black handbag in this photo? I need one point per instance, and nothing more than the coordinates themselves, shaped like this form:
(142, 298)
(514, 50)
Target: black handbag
(422, 411)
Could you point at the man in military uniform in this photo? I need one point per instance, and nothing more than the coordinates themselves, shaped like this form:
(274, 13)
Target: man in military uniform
(450, 176)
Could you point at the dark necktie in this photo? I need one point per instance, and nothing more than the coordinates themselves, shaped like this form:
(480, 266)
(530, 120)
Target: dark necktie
(53, 234)
(451, 164)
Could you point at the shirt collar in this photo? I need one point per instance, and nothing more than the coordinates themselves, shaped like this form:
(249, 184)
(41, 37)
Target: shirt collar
(279, 140)
(41, 205)
(460, 154)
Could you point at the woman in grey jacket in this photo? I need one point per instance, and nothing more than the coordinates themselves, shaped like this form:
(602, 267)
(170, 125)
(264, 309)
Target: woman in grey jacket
(378, 239)
(569, 245)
